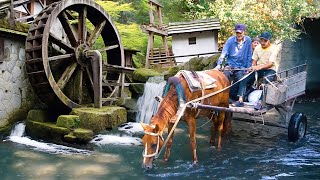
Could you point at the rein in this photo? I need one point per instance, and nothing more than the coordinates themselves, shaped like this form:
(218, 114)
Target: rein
(193, 101)
(144, 154)
(188, 104)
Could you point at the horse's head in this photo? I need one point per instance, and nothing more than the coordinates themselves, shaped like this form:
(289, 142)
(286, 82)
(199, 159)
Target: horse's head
(152, 141)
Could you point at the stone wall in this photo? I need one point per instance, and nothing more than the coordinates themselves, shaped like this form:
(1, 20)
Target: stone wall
(16, 93)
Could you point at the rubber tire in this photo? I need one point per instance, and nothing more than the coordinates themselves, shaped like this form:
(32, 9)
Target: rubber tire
(296, 121)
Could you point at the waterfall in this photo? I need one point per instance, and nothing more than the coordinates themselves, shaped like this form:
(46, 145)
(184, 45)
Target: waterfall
(18, 130)
(147, 104)
(17, 133)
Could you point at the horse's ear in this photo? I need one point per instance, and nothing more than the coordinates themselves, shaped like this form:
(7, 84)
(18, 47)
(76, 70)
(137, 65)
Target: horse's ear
(156, 129)
(144, 125)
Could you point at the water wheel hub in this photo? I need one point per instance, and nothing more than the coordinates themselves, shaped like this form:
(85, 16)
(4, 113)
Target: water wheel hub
(57, 45)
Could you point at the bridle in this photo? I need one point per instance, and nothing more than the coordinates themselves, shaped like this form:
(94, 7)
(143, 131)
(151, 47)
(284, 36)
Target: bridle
(156, 153)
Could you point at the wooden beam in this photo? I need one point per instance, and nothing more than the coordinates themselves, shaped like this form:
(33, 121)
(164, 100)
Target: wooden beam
(155, 2)
(157, 31)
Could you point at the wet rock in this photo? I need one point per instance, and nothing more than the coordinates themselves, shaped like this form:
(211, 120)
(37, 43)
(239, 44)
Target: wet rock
(68, 121)
(38, 115)
(100, 119)
(46, 131)
(83, 135)
(70, 138)
(137, 89)
(142, 74)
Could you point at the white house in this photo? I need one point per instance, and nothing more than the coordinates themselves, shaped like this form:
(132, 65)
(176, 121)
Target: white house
(198, 37)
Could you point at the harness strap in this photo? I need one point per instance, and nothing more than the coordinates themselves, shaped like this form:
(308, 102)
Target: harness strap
(193, 101)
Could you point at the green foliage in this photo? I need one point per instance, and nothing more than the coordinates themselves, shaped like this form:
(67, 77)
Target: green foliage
(276, 16)
(114, 9)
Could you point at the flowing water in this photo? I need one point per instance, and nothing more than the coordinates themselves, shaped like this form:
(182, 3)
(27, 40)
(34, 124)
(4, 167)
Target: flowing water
(252, 151)
(147, 105)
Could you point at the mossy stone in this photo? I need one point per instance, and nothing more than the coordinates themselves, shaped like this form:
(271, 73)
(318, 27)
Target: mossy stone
(100, 119)
(83, 135)
(70, 138)
(68, 121)
(38, 115)
(15, 26)
(137, 89)
(143, 74)
(45, 130)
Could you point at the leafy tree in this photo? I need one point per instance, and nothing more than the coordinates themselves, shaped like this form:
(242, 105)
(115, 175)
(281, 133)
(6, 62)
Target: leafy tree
(276, 16)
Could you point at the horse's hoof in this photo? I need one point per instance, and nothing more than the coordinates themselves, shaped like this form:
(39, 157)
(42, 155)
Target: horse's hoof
(212, 147)
(166, 159)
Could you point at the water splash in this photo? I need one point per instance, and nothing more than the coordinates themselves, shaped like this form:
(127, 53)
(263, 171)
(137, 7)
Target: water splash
(18, 130)
(147, 105)
(17, 137)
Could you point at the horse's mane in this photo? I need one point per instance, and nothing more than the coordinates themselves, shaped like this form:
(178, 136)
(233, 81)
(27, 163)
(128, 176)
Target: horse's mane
(168, 106)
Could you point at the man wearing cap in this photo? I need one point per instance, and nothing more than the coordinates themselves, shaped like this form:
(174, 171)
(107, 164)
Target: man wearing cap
(263, 61)
(255, 42)
(238, 53)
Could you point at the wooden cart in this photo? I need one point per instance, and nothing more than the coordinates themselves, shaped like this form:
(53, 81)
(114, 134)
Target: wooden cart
(280, 94)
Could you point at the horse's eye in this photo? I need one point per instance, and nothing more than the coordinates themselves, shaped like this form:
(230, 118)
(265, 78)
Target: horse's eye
(153, 146)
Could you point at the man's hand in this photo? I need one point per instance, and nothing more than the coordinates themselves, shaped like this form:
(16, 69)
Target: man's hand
(255, 68)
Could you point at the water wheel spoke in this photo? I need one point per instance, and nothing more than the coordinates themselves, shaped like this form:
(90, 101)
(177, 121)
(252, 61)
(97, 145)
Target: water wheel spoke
(62, 57)
(65, 77)
(107, 48)
(59, 42)
(82, 28)
(79, 86)
(68, 28)
(89, 76)
(96, 32)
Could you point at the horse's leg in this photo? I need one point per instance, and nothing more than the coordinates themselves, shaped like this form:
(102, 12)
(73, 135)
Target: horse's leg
(191, 121)
(169, 143)
(221, 117)
(227, 126)
(213, 130)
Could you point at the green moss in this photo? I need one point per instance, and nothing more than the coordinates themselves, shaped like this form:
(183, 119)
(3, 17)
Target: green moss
(201, 63)
(143, 74)
(15, 26)
(136, 89)
(83, 135)
(100, 119)
(38, 115)
(68, 121)
(70, 138)
(46, 131)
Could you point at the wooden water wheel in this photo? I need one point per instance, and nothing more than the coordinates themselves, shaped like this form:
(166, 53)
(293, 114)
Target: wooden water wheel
(58, 45)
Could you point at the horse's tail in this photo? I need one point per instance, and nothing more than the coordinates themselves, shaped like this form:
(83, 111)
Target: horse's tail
(178, 87)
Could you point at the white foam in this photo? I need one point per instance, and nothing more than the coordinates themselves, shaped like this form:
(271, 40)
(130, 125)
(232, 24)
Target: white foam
(115, 139)
(17, 137)
(131, 128)
(47, 147)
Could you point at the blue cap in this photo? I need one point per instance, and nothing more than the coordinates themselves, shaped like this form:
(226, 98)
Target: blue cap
(240, 28)
(265, 35)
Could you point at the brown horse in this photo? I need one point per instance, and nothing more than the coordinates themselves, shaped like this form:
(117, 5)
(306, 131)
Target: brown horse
(153, 140)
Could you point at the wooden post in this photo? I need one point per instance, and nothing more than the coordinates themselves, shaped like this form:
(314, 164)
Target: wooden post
(97, 78)
(11, 10)
(151, 13)
(159, 15)
(149, 48)
(31, 7)
(156, 30)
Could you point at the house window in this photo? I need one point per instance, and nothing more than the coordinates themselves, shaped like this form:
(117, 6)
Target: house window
(192, 40)
(1, 49)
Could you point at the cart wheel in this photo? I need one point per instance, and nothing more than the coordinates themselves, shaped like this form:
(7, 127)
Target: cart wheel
(297, 127)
